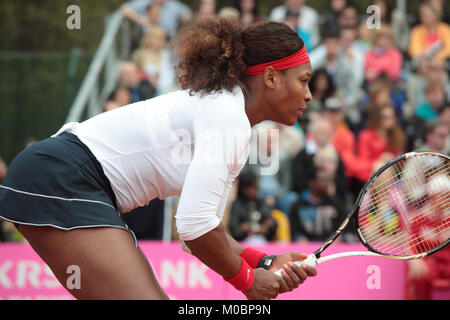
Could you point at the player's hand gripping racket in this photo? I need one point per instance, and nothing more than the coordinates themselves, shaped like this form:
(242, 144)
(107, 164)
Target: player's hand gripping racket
(402, 212)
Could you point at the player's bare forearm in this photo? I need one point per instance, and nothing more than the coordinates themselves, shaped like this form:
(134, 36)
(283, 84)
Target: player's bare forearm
(216, 251)
(235, 246)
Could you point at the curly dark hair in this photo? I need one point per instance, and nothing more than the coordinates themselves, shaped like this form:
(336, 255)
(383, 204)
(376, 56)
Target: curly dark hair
(212, 54)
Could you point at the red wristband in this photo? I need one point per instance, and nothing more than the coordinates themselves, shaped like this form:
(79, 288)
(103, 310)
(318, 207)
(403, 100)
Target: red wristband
(243, 280)
(252, 256)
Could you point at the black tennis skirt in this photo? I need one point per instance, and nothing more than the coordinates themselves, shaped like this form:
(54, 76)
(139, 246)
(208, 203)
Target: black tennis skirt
(58, 182)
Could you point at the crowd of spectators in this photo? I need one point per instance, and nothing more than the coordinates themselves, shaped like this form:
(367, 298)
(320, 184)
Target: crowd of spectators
(376, 93)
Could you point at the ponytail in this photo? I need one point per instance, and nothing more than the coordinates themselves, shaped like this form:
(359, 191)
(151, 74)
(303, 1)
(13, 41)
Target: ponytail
(210, 55)
(213, 54)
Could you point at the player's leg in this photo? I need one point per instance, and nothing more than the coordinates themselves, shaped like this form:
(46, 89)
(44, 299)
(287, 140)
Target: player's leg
(111, 267)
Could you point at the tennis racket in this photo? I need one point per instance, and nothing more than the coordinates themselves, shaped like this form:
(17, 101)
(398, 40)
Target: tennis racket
(402, 212)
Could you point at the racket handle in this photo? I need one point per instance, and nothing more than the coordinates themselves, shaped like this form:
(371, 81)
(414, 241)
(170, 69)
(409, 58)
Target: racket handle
(310, 261)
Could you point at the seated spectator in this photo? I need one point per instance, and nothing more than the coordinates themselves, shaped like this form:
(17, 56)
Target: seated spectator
(308, 17)
(379, 96)
(173, 14)
(328, 160)
(380, 93)
(275, 181)
(118, 98)
(325, 55)
(322, 88)
(140, 88)
(398, 22)
(153, 15)
(436, 134)
(250, 218)
(417, 128)
(350, 74)
(291, 139)
(110, 105)
(348, 18)
(430, 37)
(274, 187)
(363, 40)
(319, 135)
(428, 110)
(383, 58)
(228, 13)
(330, 17)
(292, 20)
(248, 11)
(381, 141)
(155, 59)
(421, 273)
(429, 70)
(342, 138)
(205, 9)
(344, 141)
(443, 8)
(318, 212)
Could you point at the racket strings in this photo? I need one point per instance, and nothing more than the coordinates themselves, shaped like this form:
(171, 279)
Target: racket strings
(416, 245)
(381, 192)
(395, 178)
(400, 172)
(386, 204)
(405, 216)
(402, 244)
(377, 222)
(386, 242)
(424, 244)
(372, 230)
(404, 183)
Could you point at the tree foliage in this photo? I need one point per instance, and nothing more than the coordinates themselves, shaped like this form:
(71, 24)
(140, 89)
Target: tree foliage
(40, 25)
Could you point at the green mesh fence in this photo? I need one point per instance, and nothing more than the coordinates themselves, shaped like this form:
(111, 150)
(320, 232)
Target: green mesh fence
(36, 91)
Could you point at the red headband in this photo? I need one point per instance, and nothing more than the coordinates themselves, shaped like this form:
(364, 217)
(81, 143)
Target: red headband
(298, 58)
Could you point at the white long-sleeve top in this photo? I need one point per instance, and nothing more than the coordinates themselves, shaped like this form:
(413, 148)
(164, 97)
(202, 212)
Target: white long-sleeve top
(172, 145)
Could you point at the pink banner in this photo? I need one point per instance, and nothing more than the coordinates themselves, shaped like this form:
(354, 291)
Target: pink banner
(23, 275)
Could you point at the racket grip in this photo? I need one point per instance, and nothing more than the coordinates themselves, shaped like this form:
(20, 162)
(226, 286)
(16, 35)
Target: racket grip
(310, 261)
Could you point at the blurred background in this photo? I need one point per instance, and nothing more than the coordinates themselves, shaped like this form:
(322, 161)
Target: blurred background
(380, 88)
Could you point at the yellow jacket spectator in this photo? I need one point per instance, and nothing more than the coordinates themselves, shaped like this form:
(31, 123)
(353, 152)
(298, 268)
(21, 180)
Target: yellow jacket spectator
(429, 33)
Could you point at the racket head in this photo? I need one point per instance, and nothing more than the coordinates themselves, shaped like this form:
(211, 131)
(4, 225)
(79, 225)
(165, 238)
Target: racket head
(404, 209)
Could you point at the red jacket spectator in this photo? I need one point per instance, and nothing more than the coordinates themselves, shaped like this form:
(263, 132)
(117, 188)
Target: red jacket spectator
(383, 58)
(345, 144)
(344, 141)
(371, 147)
(381, 141)
(388, 62)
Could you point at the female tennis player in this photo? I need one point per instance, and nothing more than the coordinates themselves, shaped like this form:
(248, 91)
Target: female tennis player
(65, 193)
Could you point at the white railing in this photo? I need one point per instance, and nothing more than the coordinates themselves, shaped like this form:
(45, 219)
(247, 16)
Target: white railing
(93, 91)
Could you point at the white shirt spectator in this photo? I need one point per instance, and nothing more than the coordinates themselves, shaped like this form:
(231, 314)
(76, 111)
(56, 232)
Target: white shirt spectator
(172, 12)
(349, 81)
(308, 20)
